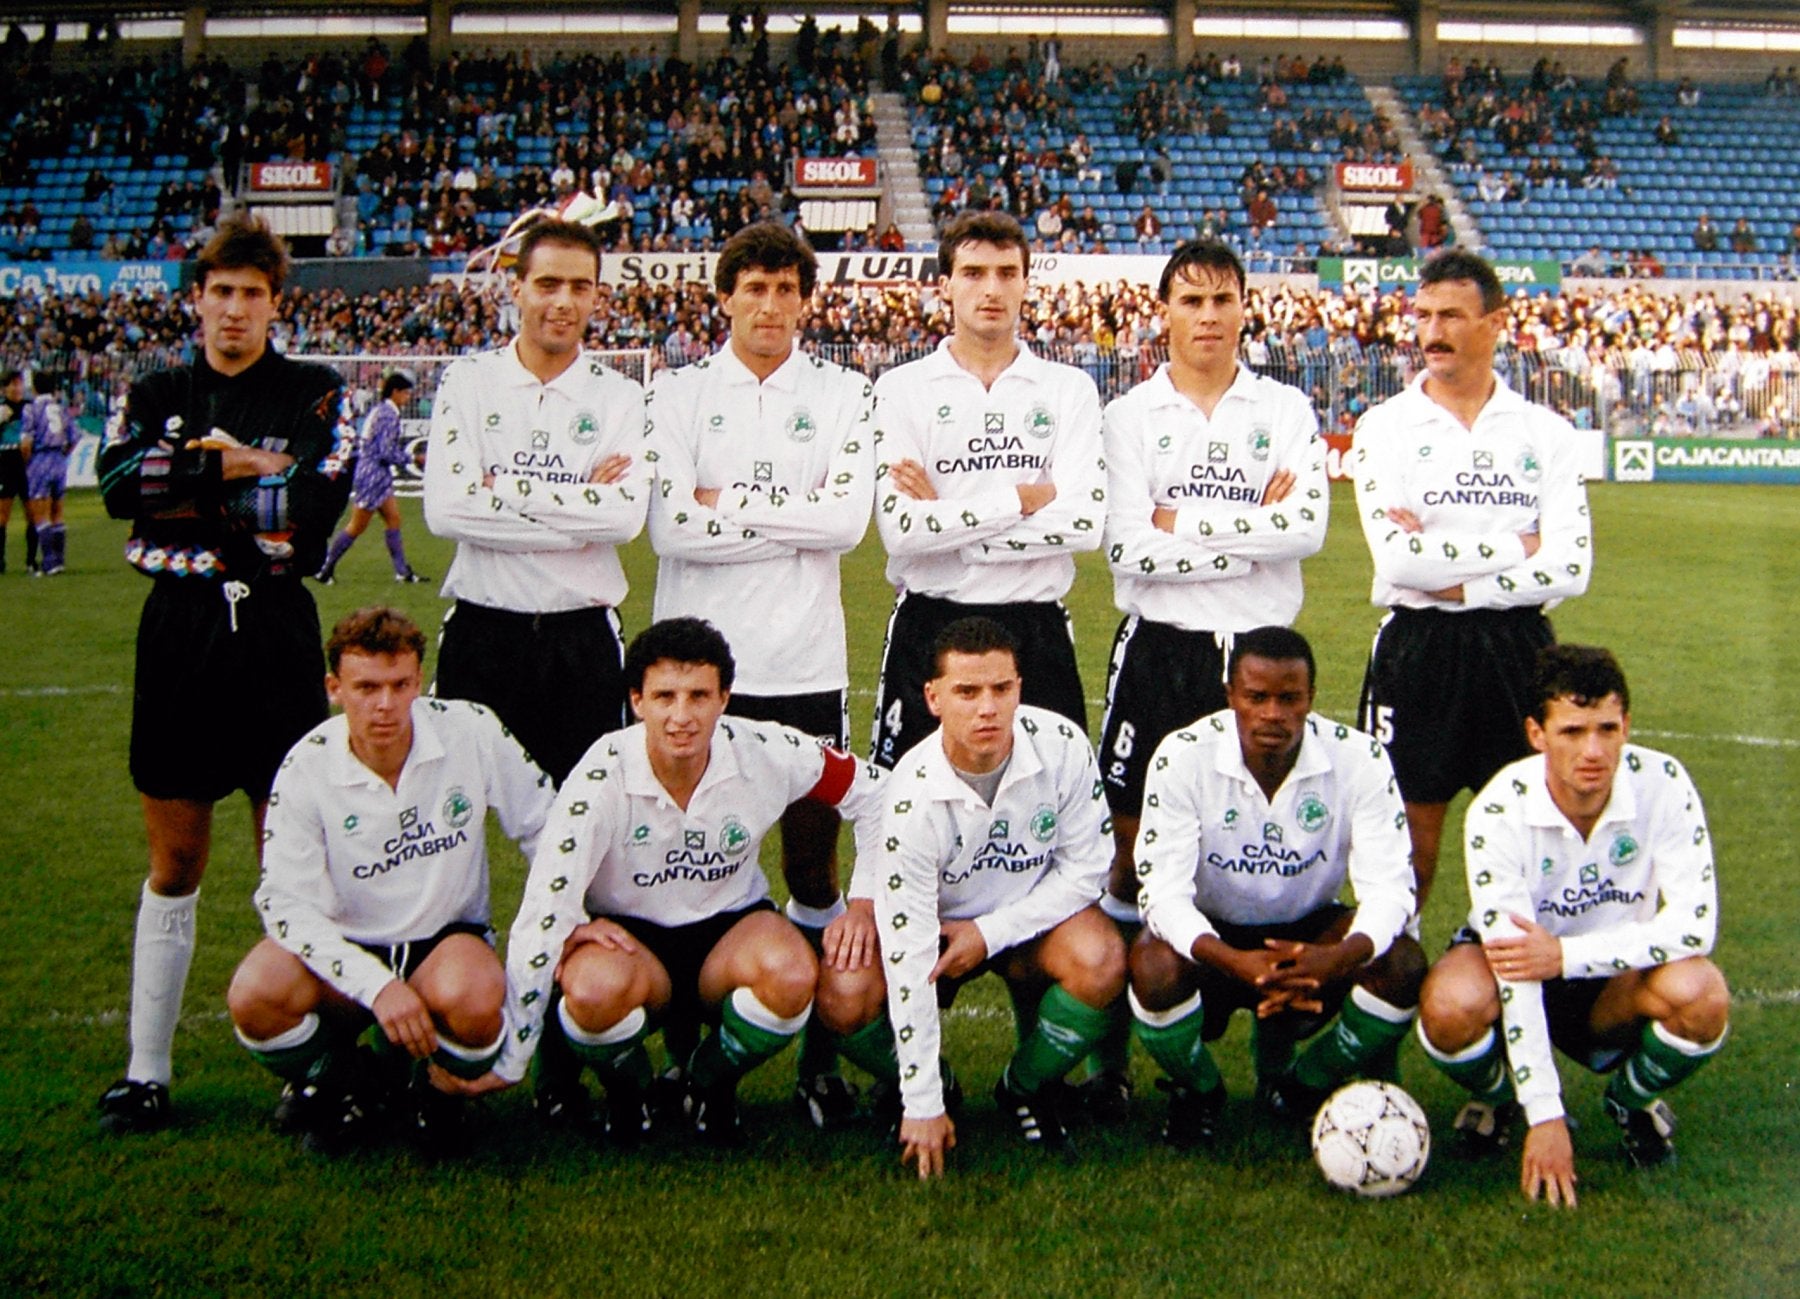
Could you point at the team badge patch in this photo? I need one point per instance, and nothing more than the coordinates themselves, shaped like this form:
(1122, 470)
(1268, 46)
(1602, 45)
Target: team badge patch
(1624, 850)
(1529, 468)
(1260, 441)
(458, 808)
(1043, 823)
(800, 426)
(1312, 814)
(584, 428)
(732, 835)
(1039, 422)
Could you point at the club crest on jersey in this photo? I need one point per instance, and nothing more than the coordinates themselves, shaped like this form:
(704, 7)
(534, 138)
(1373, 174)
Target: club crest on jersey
(993, 423)
(458, 808)
(1484, 460)
(1529, 468)
(1043, 823)
(584, 428)
(694, 839)
(1039, 422)
(800, 426)
(1590, 873)
(1260, 441)
(1624, 850)
(732, 835)
(1312, 814)
(1217, 453)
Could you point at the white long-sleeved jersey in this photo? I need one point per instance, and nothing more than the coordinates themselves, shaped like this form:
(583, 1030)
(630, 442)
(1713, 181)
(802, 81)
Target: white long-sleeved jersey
(1231, 563)
(1637, 893)
(1475, 491)
(1039, 423)
(1018, 869)
(347, 859)
(618, 845)
(793, 458)
(1213, 847)
(542, 538)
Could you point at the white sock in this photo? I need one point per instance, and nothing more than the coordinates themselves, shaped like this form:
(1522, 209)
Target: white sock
(750, 1006)
(814, 917)
(159, 969)
(1121, 910)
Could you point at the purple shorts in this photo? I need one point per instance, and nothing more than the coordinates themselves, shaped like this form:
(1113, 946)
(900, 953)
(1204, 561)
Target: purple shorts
(46, 475)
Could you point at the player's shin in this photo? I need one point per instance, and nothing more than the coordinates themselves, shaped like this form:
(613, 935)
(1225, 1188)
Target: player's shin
(1066, 1030)
(871, 1049)
(291, 1055)
(748, 1034)
(616, 1054)
(819, 1046)
(1479, 1068)
(1173, 1039)
(1365, 1030)
(1660, 1061)
(161, 954)
(461, 1060)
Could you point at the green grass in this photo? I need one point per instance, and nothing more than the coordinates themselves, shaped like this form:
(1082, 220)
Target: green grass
(1696, 588)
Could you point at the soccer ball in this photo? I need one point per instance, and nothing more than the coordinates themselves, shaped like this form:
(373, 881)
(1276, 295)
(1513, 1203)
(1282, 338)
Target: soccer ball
(1371, 1138)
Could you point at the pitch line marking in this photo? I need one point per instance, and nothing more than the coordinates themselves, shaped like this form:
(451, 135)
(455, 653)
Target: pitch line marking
(58, 692)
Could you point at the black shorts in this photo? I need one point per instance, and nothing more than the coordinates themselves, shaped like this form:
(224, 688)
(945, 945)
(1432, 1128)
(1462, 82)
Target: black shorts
(1448, 694)
(12, 475)
(1220, 994)
(823, 714)
(404, 959)
(1049, 677)
(215, 709)
(683, 949)
(1569, 1015)
(1161, 678)
(555, 680)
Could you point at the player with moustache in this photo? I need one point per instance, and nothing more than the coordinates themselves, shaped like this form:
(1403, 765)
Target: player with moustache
(990, 480)
(1254, 819)
(1216, 490)
(765, 472)
(1473, 505)
(538, 469)
(1593, 910)
(232, 470)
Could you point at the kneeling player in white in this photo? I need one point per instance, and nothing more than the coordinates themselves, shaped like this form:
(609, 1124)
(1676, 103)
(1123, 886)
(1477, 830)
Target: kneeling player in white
(375, 886)
(994, 851)
(1253, 819)
(646, 904)
(1592, 909)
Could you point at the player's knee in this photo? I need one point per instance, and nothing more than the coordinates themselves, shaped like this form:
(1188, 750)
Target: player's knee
(262, 999)
(467, 996)
(787, 977)
(1698, 997)
(1397, 977)
(848, 1000)
(599, 992)
(1096, 970)
(1158, 973)
(1456, 1007)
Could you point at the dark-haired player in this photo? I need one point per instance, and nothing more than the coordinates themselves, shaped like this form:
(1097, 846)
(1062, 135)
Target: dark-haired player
(1254, 818)
(765, 470)
(1216, 490)
(1472, 502)
(374, 890)
(1592, 910)
(232, 470)
(646, 907)
(537, 470)
(380, 450)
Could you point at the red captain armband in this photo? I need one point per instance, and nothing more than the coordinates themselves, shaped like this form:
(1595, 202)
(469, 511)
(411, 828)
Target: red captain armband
(834, 781)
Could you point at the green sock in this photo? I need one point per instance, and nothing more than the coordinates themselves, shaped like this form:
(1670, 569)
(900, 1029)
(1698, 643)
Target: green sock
(1364, 1028)
(739, 1043)
(291, 1055)
(1113, 1052)
(1172, 1038)
(615, 1054)
(1480, 1068)
(871, 1049)
(460, 1060)
(1660, 1061)
(1066, 1031)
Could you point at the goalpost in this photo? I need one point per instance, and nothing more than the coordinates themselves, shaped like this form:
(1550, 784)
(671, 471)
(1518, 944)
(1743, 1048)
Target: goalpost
(363, 372)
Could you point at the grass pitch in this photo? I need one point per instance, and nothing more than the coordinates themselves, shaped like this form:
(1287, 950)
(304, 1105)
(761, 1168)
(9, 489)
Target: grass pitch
(1696, 588)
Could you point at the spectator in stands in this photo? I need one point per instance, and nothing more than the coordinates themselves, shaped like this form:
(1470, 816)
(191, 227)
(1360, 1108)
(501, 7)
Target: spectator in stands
(1743, 236)
(1665, 134)
(1490, 186)
(1706, 235)
(1262, 211)
(1218, 122)
(1687, 94)
(1148, 228)
(1592, 262)
(892, 241)
(1434, 223)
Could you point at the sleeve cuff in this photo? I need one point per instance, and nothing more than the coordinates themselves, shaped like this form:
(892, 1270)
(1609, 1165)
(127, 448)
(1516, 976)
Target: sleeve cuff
(1541, 1109)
